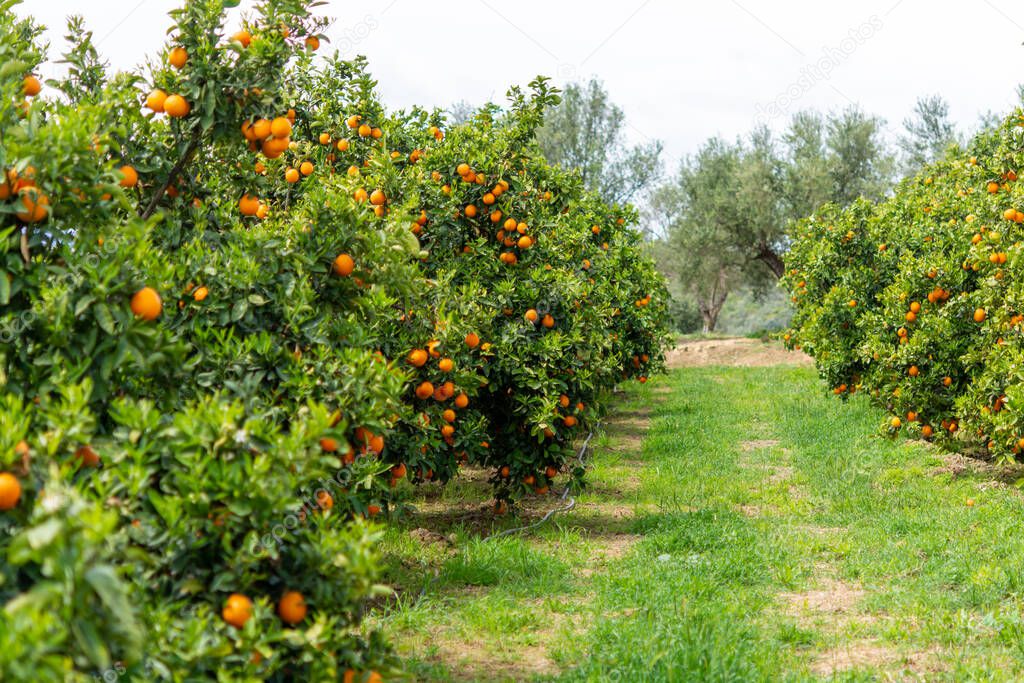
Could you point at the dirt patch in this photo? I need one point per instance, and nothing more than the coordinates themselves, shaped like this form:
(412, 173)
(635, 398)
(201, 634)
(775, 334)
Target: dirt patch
(856, 655)
(872, 653)
(758, 444)
(831, 599)
(733, 352)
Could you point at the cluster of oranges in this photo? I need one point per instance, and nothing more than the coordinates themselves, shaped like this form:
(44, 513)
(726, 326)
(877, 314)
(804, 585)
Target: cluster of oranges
(34, 205)
(271, 137)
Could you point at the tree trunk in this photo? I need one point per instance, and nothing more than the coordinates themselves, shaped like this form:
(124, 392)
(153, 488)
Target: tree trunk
(710, 304)
(774, 262)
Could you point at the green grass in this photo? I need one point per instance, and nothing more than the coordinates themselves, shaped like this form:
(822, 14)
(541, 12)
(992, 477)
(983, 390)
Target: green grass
(759, 531)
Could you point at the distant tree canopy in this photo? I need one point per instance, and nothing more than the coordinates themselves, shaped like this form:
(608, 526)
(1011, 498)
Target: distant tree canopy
(730, 204)
(928, 133)
(586, 132)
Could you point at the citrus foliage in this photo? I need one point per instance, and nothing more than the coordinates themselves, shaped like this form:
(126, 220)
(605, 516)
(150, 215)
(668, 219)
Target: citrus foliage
(240, 304)
(915, 299)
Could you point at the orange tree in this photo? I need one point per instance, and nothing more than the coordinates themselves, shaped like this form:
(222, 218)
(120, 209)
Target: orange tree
(915, 299)
(240, 302)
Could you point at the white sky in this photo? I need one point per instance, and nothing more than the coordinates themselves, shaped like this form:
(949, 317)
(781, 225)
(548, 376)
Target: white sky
(682, 70)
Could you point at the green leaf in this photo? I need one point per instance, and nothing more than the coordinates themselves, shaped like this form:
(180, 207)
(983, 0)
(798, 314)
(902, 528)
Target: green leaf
(104, 318)
(5, 288)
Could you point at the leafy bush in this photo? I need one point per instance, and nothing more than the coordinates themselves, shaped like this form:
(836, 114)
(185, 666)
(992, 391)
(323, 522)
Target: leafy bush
(235, 318)
(916, 299)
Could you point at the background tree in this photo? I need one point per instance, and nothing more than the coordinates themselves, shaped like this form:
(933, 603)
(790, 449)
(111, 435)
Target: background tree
(585, 132)
(928, 133)
(460, 112)
(701, 213)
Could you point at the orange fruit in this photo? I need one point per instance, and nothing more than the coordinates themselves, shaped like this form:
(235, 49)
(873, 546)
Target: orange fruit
(424, 391)
(360, 195)
(325, 138)
(462, 169)
(569, 421)
(243, 37)
(88, 456)
(291, 175)
(146, 304)
(248, 205)
(417, 358)
(177, 57)
(377, 198)
(130, 177)
(364, 131)
(344, 265)
(280, 127)
(563, 401)
(980, 315)
(525, 242)
(292, 608)
(261, 129)
(10, 491)
(200, 294)
(471, 211)
(237, 610)
(377, 133)
(448, 415)
(548, 321)
(472, 340)
(446, 365)
(274, 147)
(34, 205)
(313, 43)
(324, 500)
(531, 315)
(31, 86)
(461, 401)
(896, 423)
(176, 106)
(306, 168)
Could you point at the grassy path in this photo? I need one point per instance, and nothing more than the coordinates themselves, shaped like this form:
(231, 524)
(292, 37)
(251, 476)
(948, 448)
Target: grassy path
(740, 527)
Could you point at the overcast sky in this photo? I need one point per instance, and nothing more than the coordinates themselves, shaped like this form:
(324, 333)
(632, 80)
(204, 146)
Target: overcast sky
(681, 70)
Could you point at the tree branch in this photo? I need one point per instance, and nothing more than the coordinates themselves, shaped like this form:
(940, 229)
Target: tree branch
(186, 156)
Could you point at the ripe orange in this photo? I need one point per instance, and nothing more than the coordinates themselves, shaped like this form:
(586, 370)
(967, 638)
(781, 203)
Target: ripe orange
(146, 304)
(525, 242)
(344, 265)
(200, 293)
(34, 205)
(291, 175)
(130, 177)
(176, 106)
(88, 456)
(261, 129)
(926, 431)
(324, 500)
(548, 321)
(448, 415)
(531, 315)
(177, 57)
(10, 491)
(280, 127)
(424, 391)
(461, 401)
(563, 401)
(292, 608)
(471, 211)
(31, 86)
(569, 421)
(360, 195)
(364, 131)
(979, 315)
(377, 133)
(896, 423)
(306, 168)
(417, 358)
(248, 205)
(313, 43)
(472, 340)
(237, 610)
(446, 365)
(377, 198)
(243, 37)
